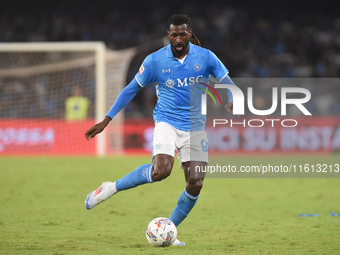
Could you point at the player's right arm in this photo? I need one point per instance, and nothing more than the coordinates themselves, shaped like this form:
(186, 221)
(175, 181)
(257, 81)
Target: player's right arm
(144, 77)
(122, 100)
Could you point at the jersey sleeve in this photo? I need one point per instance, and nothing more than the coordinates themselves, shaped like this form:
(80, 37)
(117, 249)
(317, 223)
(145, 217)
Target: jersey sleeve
(217, 69)
(146, 72)
(227, 80)
(124, 98)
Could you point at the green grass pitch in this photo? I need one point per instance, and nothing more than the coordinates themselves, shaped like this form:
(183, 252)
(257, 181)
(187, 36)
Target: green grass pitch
(42, 210)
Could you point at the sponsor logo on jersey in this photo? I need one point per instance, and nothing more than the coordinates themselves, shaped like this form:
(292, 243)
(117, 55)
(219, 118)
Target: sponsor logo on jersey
(183, 82)
(169, 83)
(189, 81)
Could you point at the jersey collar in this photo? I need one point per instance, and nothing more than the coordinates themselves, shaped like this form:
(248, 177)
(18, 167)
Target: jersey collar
(169, 53)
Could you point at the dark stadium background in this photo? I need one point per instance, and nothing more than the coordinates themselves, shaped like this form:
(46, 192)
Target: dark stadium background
(252, 38)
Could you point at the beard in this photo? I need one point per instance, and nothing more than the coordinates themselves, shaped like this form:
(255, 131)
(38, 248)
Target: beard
(179, 48)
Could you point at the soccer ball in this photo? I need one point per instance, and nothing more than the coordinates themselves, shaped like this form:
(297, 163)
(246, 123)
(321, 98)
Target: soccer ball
(161, 232)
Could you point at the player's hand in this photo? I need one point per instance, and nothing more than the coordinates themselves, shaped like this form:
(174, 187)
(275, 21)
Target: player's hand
(229, 107)
(96, 129)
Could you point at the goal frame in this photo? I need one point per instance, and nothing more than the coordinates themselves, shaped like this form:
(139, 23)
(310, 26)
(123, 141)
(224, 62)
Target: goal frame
(99, 50)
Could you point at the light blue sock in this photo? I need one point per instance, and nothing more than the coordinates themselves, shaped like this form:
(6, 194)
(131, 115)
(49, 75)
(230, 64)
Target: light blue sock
(184, 205)
(140, 175)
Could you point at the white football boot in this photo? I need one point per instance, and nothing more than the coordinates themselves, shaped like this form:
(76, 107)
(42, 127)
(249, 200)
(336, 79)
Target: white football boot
(99, 195)
(178, 242)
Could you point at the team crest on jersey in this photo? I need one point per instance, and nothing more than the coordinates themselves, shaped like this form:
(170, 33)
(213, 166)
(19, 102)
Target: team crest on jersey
(197, 67)
(141, 70)
(170, 83)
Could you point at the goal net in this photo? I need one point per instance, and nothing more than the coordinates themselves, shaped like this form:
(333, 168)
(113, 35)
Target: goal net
(51, 93)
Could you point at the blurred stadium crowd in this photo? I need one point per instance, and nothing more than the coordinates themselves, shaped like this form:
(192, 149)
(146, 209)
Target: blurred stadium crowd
(251, 45)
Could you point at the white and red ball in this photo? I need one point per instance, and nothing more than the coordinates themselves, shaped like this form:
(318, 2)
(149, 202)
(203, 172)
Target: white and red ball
(161, 232)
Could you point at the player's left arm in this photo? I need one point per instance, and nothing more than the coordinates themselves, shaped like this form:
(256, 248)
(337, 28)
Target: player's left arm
(229, 105)
(218, 70)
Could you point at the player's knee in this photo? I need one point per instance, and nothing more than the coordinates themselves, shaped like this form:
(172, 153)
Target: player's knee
(194, 186)
(161, 171)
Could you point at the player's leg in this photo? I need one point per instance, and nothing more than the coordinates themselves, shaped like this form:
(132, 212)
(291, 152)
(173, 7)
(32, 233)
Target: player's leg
(188, 198)
(139, 176)
(193, 178)
(163, 159)
(162, 166)
(193, 155)
(160, 169)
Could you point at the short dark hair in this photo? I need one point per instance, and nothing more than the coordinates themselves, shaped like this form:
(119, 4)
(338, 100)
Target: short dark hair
(179, 19)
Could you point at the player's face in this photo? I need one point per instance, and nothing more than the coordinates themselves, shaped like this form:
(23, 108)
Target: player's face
(179, 37)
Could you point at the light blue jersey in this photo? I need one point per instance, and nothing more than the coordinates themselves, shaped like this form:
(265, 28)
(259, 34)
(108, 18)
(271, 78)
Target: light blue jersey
(178, 83)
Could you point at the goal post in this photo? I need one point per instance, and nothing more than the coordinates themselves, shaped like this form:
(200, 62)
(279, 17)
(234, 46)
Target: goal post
(53, 62)
(37, 79)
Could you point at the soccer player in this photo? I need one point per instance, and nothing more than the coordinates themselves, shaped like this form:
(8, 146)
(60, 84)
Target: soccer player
(178, 70)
